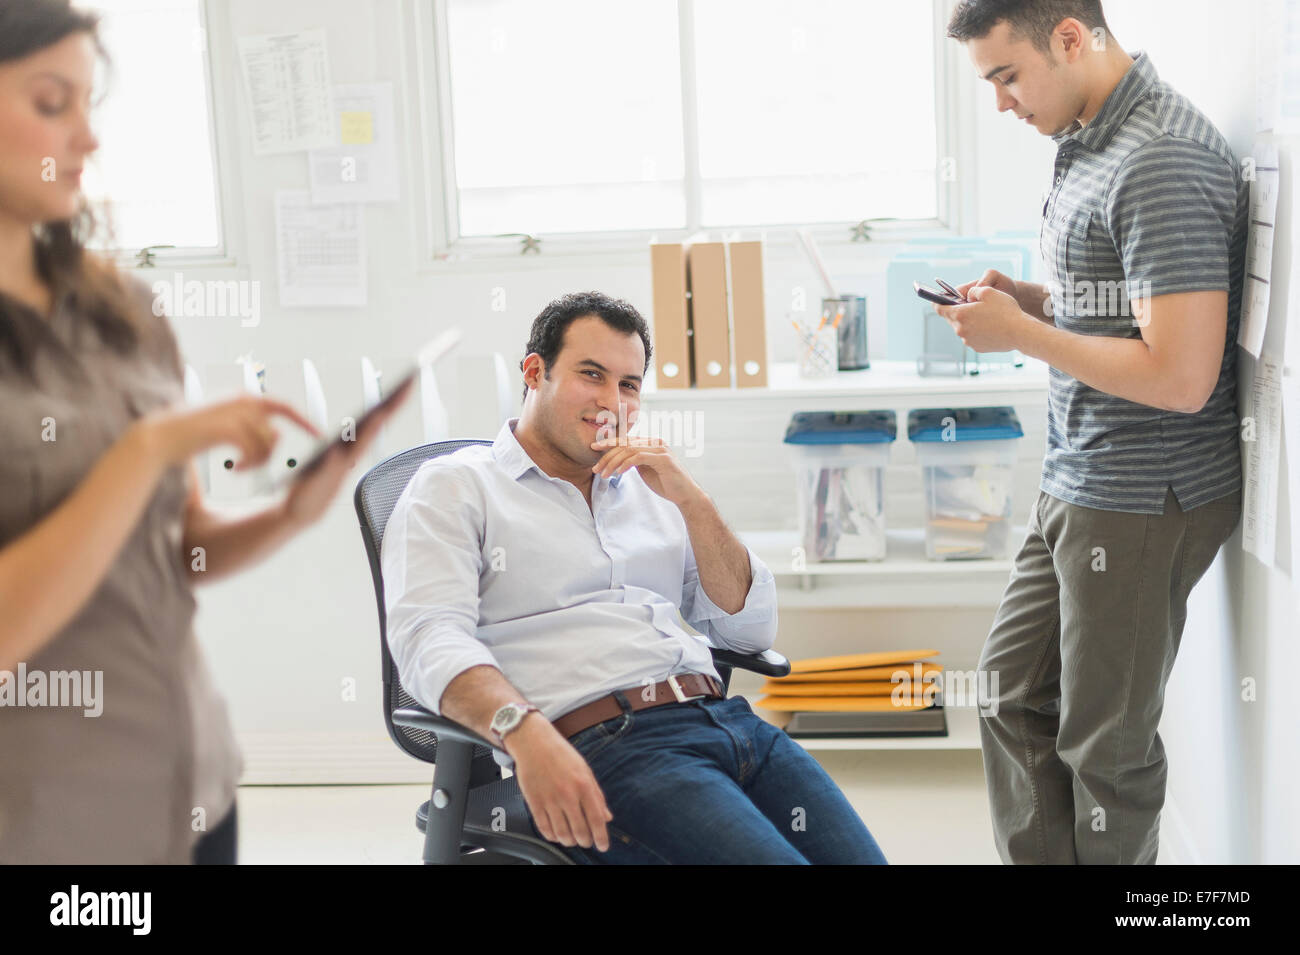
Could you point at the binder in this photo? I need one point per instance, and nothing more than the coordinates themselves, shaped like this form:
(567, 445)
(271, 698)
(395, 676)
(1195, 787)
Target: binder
(671, 319)
(707, 276)
(748, 318)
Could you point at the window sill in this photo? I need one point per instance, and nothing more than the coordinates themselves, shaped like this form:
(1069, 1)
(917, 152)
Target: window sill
(129, 261)
(884, 380)
(628, 249)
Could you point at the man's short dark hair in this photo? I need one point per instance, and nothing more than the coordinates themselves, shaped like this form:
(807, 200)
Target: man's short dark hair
(1035, 20)
(547, 336)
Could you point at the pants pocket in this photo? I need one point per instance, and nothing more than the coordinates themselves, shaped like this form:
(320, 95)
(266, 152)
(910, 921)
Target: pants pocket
(609, 731)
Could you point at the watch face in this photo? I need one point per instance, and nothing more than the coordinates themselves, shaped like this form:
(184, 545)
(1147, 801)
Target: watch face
(505, 716)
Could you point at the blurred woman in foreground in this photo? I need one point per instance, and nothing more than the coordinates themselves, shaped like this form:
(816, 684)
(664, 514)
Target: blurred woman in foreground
(100, 510)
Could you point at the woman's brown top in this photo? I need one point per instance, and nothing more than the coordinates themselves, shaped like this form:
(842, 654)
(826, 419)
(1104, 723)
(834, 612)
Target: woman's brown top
(141, 781)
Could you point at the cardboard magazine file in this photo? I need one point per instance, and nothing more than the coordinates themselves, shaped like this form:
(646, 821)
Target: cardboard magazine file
(748, 317)
(671, 319)
(710, 335)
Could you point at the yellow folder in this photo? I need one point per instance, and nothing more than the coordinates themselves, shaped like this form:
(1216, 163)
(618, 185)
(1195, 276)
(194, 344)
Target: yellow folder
(854, 674)
(838, 704)
(864, 688)
(884, 658)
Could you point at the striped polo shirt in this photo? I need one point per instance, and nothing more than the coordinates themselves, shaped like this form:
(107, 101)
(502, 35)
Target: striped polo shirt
(1146, 200)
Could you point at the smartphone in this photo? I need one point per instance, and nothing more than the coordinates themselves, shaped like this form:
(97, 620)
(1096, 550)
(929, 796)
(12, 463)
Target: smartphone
(948, 297)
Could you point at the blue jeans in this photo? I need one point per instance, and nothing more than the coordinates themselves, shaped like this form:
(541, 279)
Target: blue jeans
(709, 782)
(220, 846)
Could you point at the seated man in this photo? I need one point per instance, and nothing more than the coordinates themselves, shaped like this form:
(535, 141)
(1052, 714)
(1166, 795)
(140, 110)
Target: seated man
(550, 592)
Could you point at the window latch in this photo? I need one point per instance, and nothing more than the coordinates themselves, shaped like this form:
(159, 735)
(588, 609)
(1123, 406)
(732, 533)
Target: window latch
(861, 232)
(528, 243)
(144, 258)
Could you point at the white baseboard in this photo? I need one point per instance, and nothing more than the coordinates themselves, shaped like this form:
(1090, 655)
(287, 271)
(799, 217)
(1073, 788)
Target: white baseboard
(327, 758)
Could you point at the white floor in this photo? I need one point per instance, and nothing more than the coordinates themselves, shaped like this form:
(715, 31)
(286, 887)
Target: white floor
(923, 807)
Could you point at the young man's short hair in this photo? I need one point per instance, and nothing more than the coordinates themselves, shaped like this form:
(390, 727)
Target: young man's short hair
(1034, 20)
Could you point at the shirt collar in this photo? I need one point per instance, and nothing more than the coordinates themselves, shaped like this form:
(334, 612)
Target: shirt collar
(1133, 85)
(514, 460)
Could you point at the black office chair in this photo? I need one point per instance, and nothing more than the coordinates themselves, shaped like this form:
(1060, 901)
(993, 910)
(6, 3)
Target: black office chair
(469, 794)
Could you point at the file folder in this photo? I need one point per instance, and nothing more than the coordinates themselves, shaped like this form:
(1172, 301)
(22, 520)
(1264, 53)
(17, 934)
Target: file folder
(711, 339)
(671, 316)
(883, 658)
(748, 317)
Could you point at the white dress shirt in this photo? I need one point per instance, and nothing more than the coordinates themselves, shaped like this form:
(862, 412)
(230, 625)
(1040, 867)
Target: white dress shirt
(489, 560)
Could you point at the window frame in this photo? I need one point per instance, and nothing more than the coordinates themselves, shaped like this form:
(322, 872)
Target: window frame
(225, 167)
(441, 245)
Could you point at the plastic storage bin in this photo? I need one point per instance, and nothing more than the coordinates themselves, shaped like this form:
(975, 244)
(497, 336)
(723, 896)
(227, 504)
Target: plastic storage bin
(968, 456)
(839, 460)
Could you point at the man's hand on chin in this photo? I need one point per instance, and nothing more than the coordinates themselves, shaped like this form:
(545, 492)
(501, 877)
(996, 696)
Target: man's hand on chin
(655, 462)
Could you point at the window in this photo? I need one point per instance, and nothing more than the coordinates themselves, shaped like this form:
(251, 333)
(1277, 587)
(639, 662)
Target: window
(569, 116)
(155, 166)
(815, 111)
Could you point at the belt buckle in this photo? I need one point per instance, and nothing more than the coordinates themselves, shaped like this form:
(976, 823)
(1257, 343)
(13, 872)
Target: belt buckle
(677, 691)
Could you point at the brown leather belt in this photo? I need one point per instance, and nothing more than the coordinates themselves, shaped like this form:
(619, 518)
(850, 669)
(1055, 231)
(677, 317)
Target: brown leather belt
(678, 688)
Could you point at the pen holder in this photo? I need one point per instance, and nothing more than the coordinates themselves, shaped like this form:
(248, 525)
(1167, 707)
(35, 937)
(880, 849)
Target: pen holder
(818, 351)
(849, 312)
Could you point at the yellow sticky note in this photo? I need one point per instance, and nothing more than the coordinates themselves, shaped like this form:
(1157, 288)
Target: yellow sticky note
(357, 127)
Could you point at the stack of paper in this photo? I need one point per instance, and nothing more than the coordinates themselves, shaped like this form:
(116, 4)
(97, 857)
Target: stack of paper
(868, 693)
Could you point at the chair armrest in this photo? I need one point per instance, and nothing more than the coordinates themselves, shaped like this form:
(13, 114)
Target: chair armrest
(768, 663)
(417, 717)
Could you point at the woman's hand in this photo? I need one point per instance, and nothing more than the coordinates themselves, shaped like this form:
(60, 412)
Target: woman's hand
(174, 435)
(233, 545)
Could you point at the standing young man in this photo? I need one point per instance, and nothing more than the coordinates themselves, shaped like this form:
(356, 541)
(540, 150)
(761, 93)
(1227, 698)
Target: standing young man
(1143, 235)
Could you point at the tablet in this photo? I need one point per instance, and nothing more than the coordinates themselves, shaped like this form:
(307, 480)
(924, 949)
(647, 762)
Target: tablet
(427, 356)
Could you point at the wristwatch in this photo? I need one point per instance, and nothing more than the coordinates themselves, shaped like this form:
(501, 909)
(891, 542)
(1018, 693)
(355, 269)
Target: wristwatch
(508, 717)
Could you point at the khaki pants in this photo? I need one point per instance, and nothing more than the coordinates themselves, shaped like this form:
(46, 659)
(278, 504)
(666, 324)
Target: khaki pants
(1083, 643)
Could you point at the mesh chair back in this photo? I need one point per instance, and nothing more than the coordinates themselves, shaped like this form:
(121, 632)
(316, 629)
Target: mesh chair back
(376, 495)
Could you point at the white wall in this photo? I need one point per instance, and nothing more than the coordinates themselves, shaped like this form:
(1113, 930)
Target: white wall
(304, 622)
(1233, 779)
